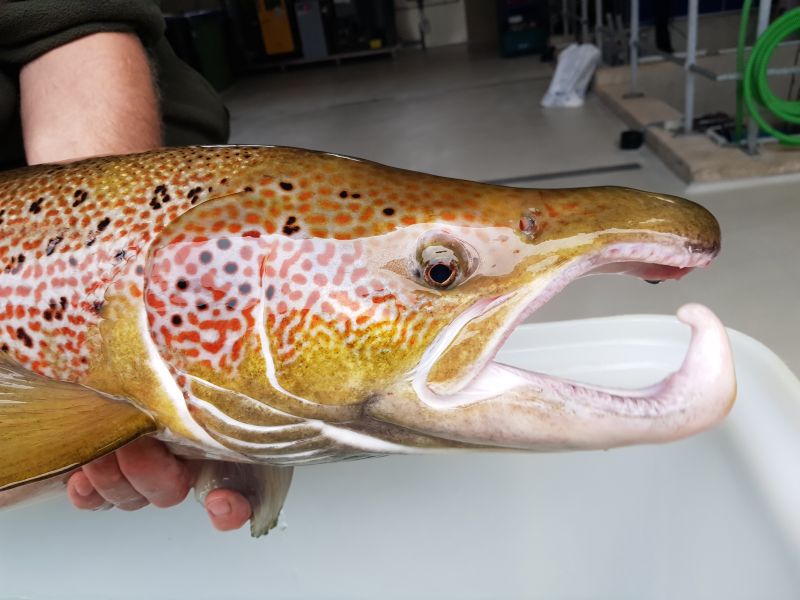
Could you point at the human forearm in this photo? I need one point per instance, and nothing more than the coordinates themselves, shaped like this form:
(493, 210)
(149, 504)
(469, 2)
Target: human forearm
(93, 96)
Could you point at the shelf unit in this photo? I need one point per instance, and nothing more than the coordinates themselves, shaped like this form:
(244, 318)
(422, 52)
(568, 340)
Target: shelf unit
(688, 60)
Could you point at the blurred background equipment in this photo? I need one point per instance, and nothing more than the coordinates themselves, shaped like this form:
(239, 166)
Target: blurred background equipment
(575, 69)
(311, 29)
(523, 26)
(732, 109)
(276, 28)
(282, 33)
(200, 38)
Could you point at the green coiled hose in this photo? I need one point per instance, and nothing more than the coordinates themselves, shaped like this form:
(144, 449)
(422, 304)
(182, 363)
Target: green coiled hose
(753, 90)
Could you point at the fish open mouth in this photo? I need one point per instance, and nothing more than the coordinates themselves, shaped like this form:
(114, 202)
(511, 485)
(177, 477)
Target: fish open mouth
(512, 407)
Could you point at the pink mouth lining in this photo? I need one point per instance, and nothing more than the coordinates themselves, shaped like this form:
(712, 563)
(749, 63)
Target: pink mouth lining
(647, 260)
(705, 382)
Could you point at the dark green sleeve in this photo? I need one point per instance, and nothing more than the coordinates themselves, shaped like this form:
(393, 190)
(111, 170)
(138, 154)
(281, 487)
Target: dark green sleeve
(192, 112)
(29, 28)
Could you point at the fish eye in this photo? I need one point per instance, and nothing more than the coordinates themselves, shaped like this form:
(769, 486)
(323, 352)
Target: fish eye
(442, 261)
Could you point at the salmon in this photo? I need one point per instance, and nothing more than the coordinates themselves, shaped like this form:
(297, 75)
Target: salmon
(261, 308)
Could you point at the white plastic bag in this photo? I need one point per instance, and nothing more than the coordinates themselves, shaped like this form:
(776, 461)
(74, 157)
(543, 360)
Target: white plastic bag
(576, 65)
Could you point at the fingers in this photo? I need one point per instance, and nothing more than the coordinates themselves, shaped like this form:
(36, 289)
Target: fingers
(82, 494)
(140, 473)
(145, 472)
(107, 479)
(154, 472)
(227, 509)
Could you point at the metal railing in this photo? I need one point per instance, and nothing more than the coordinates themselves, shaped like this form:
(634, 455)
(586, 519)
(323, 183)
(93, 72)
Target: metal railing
(689, 61)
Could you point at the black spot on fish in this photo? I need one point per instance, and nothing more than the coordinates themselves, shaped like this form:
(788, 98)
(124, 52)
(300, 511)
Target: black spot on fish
(103, 224)
(356, 195)
(194, 194)
(202, 306)
(182, 284)
(80, 197)
(343, 194)
(4, 348)
(223, 244)
(270, 292)
(231, 304)
(285, 185)
(248, 189)
(245, 288)
(155, 204)
(290, 227)
(24, 337)
(36, 206)
(97, 306)
(14, 264)
(119, 256)
(388, 211)
(230, 268)
(52, 243)
(205, 257)
(139, 270)
(176, 320)
(73, 262)
(56, 310)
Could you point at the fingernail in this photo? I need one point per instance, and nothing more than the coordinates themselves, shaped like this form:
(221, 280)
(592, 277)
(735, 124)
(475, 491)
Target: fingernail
(84, 487)
(219, 507)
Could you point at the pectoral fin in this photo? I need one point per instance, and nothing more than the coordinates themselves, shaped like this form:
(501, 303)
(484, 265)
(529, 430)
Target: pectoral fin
(264, 486)
(48, 427)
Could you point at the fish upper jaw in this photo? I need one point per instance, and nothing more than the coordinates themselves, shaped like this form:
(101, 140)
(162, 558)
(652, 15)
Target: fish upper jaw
(497, 405)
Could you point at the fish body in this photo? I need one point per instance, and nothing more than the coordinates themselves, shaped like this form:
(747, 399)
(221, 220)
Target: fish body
(280, 306)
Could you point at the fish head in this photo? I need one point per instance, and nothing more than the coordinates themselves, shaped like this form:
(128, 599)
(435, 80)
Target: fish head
(381, 310)
(487, 276)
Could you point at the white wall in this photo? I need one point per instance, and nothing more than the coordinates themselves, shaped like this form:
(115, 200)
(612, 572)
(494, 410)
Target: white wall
(447, 19)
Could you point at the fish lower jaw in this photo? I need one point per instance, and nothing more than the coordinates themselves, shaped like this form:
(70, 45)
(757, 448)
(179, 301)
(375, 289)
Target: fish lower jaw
(540, 412)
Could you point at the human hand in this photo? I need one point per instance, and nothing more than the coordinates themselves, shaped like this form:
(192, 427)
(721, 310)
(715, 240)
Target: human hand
(146, 472)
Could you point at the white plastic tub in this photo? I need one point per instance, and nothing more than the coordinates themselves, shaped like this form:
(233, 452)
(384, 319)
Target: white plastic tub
(715, 516)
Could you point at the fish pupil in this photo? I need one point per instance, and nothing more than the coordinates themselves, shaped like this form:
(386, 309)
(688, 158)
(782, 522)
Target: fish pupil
(441, 274)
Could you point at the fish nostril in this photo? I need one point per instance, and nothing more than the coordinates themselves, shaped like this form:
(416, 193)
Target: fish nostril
(528, 225)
